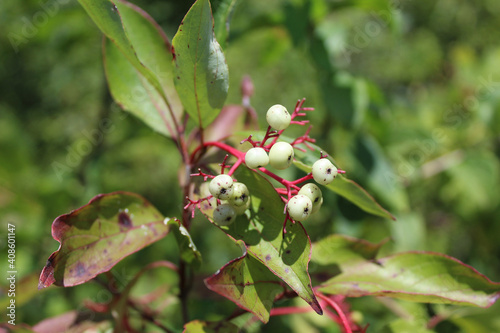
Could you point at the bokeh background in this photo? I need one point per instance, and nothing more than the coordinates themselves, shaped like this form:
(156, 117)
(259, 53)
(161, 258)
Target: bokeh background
(407, 98)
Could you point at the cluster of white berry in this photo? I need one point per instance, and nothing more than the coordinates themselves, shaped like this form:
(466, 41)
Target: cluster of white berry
(234, 196)
(309, 198)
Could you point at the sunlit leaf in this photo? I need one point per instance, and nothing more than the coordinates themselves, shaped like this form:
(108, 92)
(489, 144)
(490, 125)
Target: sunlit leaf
(262, 232)
(95, 237)
(133, 92)
(144, 48)
(413, 326)
(247, 283)
(198, 326)
(152, 48)
(201, 73)
(415, 276)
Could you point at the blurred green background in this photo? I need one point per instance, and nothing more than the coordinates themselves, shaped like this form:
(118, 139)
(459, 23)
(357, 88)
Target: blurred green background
(407, 99)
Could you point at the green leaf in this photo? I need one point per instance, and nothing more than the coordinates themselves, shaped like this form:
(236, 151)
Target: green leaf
(197, 326)
(262, 232)
(353, 192)
(147, 50)
(414, 326)
(94, 237)
(133, 92)
(247, 283)
(153, 49)
(201, 73)
(189, 252)
(415, 276)
(473, 320)
(342, 250)
(222, 19)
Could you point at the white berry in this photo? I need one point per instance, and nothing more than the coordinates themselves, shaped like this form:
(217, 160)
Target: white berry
(221, 187)
(313, 192)
(256, 157)
(242, 209)
(240, 195)
(281, 155)
(278, 117)
(224, 214)
(299, 207)
(323, 171)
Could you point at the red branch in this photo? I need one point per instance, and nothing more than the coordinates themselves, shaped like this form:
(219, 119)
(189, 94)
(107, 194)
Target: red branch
(346, 324)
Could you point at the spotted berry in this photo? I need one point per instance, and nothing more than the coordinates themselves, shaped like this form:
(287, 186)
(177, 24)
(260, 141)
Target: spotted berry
(221, 187)
(323, 171)
(240, 195)
(299, 207)
(224, 214)
(313, 192)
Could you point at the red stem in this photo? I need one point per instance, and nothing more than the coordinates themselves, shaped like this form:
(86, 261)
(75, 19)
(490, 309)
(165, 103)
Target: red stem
(336, 307)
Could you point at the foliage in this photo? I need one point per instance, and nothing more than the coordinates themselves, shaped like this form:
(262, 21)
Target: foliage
(433, 169)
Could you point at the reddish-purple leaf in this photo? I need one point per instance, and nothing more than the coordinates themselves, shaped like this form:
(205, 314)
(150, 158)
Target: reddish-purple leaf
(415, 276)
(60, 323)
(227, 122)
(249, 284)
(70, 322)
(17, 328)
(95, 237)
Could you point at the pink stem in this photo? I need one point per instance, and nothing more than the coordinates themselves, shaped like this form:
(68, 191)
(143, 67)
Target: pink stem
(336, 307)
(234, 167)
(303, 179)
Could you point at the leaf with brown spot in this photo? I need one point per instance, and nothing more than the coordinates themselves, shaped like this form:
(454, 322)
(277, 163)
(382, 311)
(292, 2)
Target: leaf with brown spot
(95, 237)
